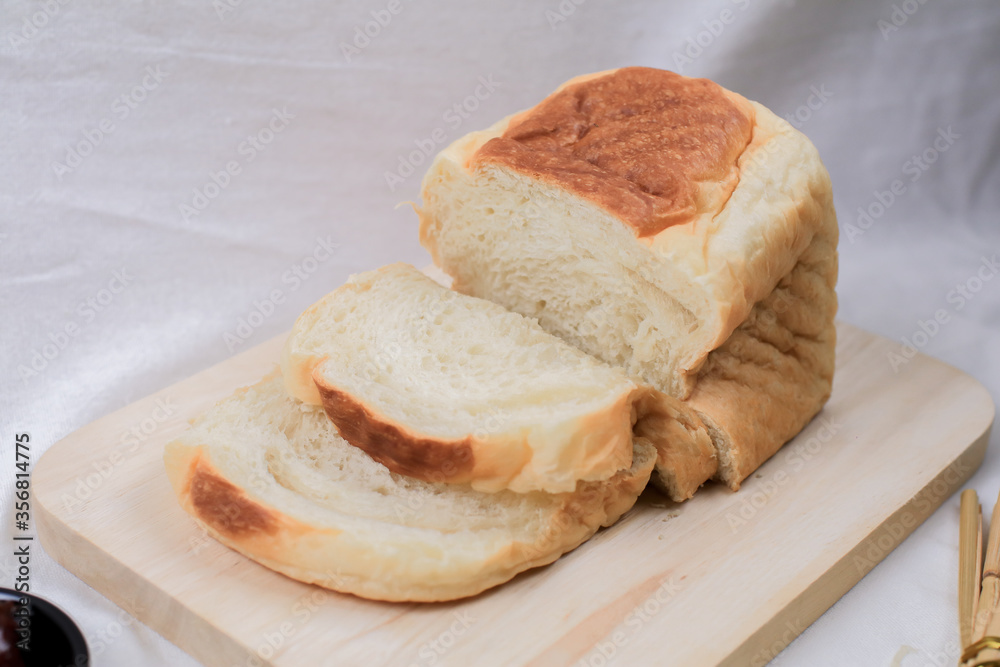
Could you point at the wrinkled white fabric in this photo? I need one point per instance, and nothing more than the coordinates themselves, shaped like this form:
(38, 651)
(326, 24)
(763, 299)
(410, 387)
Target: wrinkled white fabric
(179, 180)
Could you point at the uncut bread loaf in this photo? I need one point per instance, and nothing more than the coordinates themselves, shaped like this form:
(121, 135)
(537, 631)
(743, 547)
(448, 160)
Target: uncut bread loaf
(270, 477)
(664, 225)
(445, 387)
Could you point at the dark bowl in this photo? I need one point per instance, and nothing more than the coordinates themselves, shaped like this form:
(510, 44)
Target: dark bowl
(53, 640)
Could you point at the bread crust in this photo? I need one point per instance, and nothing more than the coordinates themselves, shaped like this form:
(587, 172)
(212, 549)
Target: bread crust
(685, 455)
(398, 449)
(222, 505)
(775, 372)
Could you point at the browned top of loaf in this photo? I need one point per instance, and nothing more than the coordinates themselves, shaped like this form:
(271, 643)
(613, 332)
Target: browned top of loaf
(652, 147)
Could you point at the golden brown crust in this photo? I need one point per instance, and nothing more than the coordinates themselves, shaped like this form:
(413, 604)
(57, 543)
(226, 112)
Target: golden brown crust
(223, 506)
(227, 511)
(685, 456)
(575, 521)
(655, 148)
(398, 450)
(775, 372)
(769, 379)
(599, 445)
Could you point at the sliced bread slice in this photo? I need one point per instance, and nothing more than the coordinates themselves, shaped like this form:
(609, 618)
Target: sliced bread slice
(270, 477)
(445, 387)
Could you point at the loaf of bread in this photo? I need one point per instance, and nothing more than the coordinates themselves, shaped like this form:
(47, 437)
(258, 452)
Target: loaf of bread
(269, 476)
(644, 269)
(445, 387)
(664, 225)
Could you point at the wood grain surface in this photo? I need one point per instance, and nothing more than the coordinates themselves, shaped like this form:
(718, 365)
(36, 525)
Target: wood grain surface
(725, 578)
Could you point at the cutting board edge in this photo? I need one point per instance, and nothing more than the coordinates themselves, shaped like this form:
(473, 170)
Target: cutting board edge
(795, 617)
(154, 606)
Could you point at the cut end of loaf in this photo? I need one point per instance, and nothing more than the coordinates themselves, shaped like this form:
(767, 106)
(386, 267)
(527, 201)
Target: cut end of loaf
(686, 457)
(571, 266)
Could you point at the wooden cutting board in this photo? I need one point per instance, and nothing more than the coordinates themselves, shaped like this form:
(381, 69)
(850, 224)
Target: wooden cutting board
(725, 578)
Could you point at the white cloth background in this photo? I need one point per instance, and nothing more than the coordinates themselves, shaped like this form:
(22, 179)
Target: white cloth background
(155, 98)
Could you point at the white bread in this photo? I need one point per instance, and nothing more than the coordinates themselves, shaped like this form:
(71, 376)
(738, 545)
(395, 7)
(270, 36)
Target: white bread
(665, 225)
(445, 387)
(269, 477)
